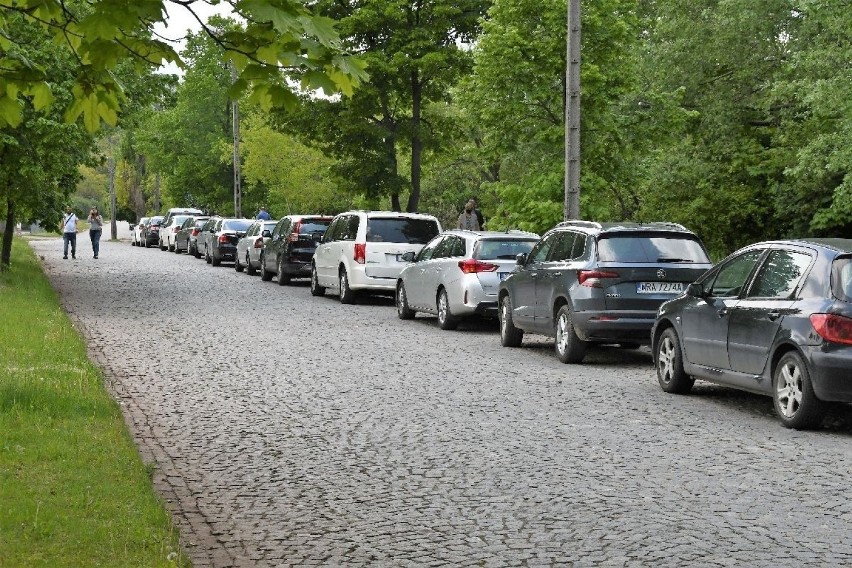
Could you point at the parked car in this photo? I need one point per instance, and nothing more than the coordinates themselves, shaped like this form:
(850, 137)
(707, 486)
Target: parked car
(222, 242)
(588, 282)
(774, 318)
(458, 273)
(362, 250)
(289, 251)
(188, 232)
(169, 231)
(250, 246)
(202, 241)
(136, 232)
(150, 233)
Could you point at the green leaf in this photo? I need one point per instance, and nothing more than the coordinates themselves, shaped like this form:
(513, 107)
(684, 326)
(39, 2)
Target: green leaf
(10, 112)
(42, 95)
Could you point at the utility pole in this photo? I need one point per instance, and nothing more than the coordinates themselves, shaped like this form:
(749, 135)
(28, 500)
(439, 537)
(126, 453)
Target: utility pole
(113, 226)
(572, 114)
(235, 107)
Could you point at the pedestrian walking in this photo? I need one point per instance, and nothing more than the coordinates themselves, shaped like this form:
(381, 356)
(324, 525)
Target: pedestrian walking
(69, 232)
(479, 216)
(263, 214)
(96, 227)
(467, 219)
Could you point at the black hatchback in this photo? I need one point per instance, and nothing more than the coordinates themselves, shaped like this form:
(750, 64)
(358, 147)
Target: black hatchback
(773, 318)
(289, 251)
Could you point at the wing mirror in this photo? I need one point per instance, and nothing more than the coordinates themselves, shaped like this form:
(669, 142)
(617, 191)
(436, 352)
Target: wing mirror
(696, 291)
(409, 256)
(266, 233)
(521, 259)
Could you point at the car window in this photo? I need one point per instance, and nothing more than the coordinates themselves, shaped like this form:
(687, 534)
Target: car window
(347, 229)
(780, 274)
(644, 248)
(841, 278)
(443, 249)
(563, 248)
(509, 249)
(579, 250)
(236, 225)
(313, 226)
(426, 252)
(732, 276)
(401, 230)
(541, 250)
(456, 247)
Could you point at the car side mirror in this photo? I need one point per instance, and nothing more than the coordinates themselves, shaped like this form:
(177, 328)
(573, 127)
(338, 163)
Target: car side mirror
(696, 291)
(409, 256)
(266, 233)
(521, 259)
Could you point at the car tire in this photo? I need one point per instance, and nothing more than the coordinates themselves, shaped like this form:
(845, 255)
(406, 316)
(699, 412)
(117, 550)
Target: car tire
(510, 336)
(207, 258)
(403, 311)
(196, 252)
(163, 247)
(237, 266)
(793, 395)
(446, 320)
(668, 360)
(282, 277)
(250, 269)
(569, 347)
(316, 289)
(347, 295)
(265, 275)
(215, 260)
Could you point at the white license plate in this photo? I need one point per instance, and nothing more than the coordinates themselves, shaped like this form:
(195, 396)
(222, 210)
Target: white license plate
(659, 287)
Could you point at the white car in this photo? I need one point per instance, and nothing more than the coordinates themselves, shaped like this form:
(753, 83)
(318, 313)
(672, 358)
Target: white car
(170, 229)
(458, 273)
(136, 232)
(363, 250)
(249, 247)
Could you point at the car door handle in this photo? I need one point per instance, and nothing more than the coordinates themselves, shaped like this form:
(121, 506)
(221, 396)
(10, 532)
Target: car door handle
(557, 274)
(723, 312)
(773, 315)
(533, 273)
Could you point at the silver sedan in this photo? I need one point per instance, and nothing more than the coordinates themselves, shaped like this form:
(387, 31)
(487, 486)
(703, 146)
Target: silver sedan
(249, 247)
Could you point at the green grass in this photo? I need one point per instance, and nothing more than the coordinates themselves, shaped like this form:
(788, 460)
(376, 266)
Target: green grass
(73, 489)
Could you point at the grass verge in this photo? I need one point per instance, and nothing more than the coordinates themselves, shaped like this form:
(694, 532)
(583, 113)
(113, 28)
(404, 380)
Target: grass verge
(73, 489)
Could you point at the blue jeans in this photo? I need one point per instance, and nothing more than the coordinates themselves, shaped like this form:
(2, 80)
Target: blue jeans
(96, 241)
(69, 238)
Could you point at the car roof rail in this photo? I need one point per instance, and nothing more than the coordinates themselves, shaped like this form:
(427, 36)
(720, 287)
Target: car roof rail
(580, 223)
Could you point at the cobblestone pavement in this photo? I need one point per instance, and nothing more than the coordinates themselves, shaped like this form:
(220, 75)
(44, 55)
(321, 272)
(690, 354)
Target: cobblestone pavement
(289, 430)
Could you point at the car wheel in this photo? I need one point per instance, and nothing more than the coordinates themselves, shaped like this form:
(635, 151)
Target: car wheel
(215, 260)
(316, 289)
(446, 320)
(669, 363)
(237, 266)
(347, 295)
(250, 269)
(282, 277)
(795, 402)
(569, 347)
(510, 336)
(207, 258)
(265, 275)
(196, 252)
(402, 310)
(162, 246)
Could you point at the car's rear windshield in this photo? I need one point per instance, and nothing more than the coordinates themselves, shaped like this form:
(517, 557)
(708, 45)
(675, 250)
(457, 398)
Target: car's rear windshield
(179, 219)
(314, 226)
(236, 224)
(401, 230)
(503, 249)
(651, 249)
(841, 278)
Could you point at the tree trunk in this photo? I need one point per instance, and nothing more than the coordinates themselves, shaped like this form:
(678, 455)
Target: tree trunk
(390, 150)
(416, 142)
(6, 250)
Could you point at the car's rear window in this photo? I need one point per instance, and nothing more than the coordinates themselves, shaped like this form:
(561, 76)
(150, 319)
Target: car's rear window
(236, 224)
(401, 230)
(314, 226)
(841, 278)
(650, 249)
(506, 249)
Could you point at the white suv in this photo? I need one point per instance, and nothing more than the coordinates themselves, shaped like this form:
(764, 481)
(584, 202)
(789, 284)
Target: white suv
(362, 250)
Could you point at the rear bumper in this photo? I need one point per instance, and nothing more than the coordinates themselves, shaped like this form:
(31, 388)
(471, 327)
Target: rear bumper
(358, 280)
(297, 269)
(603, 326)
(225, 252)
(831, 372)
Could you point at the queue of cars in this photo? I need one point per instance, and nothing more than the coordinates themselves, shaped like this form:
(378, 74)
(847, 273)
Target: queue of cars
(774, 318)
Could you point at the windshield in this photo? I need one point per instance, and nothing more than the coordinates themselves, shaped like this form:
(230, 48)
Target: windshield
(651, 249)
(507, 249)
(238, 225)
(401, 230)
(309, 227)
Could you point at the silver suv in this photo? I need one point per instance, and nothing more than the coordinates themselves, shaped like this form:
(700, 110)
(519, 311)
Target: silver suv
(363, 250)
(588, 282)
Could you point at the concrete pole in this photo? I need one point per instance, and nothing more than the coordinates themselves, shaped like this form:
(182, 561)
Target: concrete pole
(235, 106)
(572, 114)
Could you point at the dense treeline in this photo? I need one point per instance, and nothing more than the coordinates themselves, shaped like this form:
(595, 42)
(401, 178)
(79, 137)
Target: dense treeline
(729, 116)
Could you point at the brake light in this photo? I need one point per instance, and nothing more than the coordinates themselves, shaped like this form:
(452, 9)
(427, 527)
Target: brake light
(592, 278)
(294, 234)
(832, 327)
(195, 231)
(472, 266)
(258, 243)
(224, 239)
(361, 253)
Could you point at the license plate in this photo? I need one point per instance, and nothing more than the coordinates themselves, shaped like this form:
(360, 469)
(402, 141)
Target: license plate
(659, 287)
(503, 275)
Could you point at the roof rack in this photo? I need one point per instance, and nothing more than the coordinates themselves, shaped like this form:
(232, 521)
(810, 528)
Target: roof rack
(579, 223)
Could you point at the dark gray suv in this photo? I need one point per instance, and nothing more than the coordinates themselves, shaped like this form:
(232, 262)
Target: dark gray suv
(587, 282)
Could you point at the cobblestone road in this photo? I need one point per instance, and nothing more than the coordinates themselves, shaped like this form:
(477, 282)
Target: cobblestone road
(290, 430)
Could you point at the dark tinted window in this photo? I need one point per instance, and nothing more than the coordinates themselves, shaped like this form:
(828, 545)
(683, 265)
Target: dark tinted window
(494, 249)
(841, 278)
(348, 228)
(456, 247)
(650, 249)
(313, 226)
(401, 230)
(540, 251)
(780, 274)
(732, 276)
(236, 224)
(443, 249)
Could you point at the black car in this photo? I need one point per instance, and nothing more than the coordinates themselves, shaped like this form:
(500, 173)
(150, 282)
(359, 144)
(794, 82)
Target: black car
(773, 318)
(289, 251)
(587, 282)
(150, 234)
(222, 241)
(186, 237)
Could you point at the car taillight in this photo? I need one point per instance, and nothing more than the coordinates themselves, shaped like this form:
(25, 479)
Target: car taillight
(224, 239)
(258, 243)
(832, 327)
(472, 266)
(195, 232)
(360, 253)
(592, 278)
(294, 234)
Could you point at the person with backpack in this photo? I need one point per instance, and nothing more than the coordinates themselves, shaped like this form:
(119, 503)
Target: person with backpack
(69, 232)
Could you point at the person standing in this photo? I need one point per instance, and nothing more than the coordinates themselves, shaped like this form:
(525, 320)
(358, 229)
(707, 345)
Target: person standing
(479, 216)
(96, 227)
(69, 232)
(468, 220)
(263, 214)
